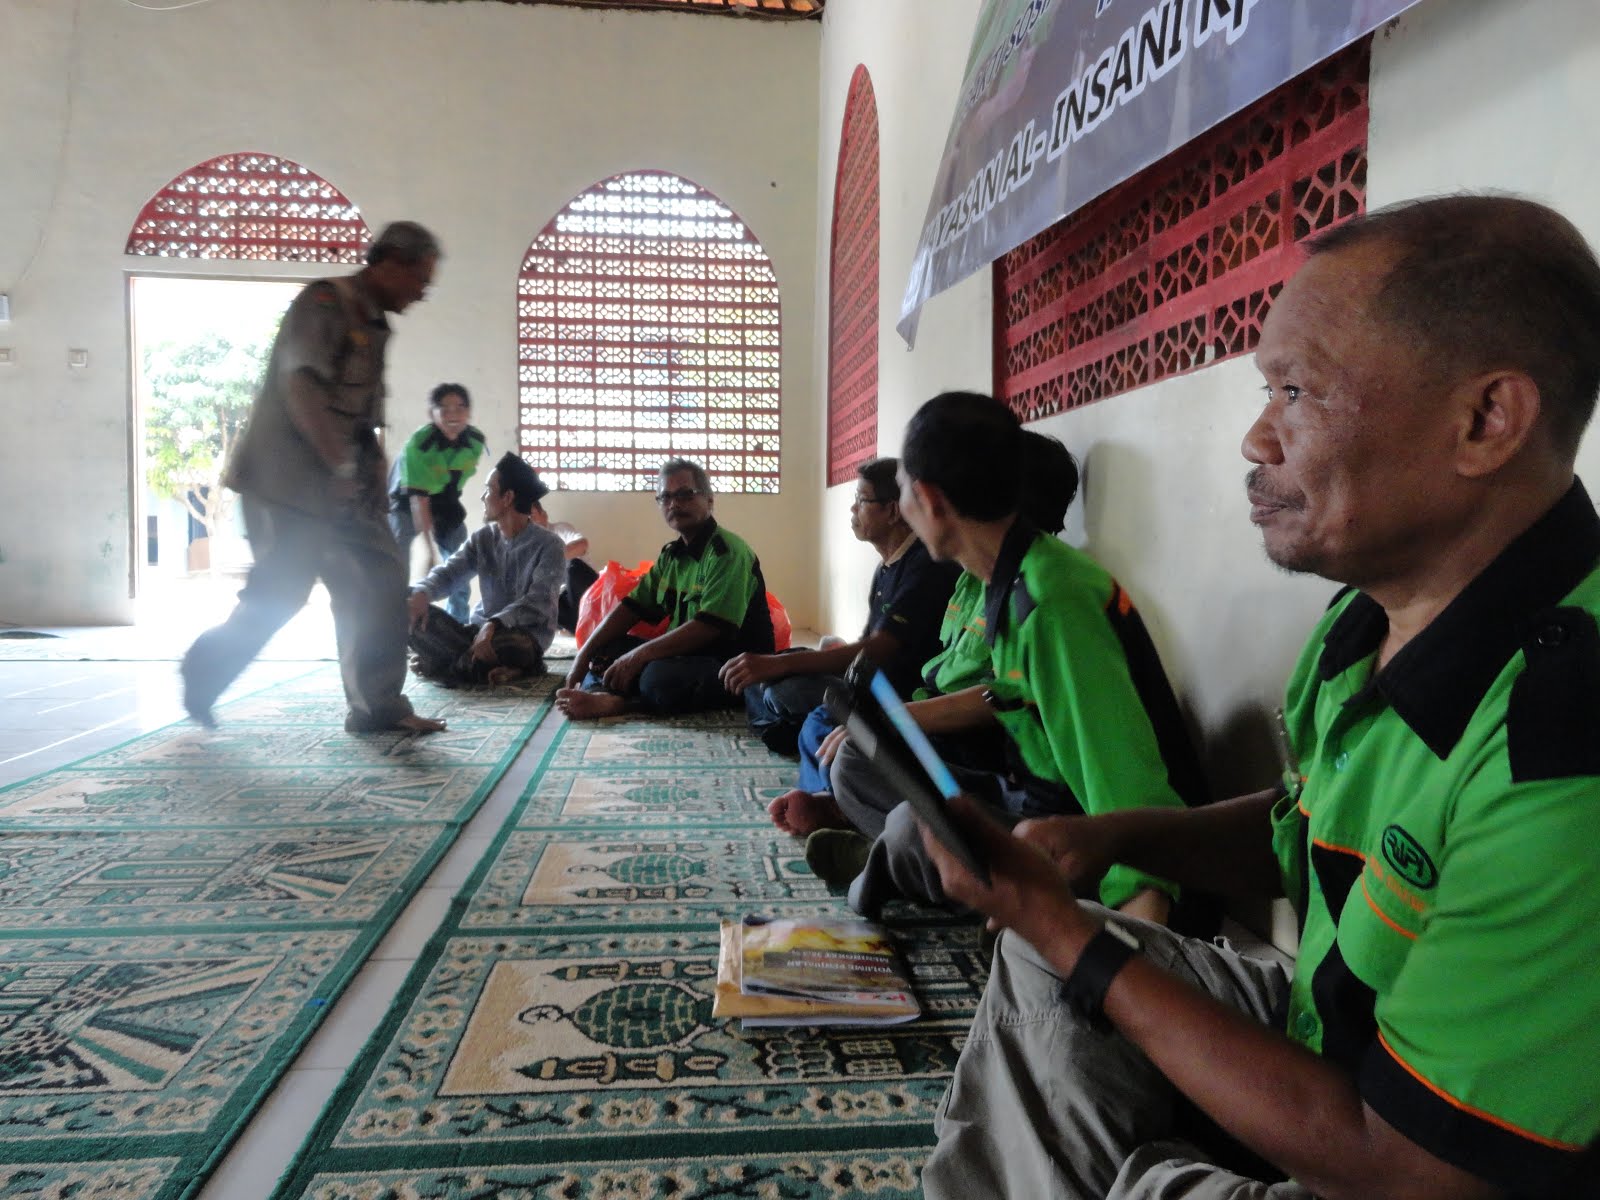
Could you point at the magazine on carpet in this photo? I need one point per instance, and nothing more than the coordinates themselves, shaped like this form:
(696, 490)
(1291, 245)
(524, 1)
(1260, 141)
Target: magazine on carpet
(812, 972)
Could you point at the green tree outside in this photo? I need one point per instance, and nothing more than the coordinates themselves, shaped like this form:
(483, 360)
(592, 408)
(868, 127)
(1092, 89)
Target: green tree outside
(200, 391)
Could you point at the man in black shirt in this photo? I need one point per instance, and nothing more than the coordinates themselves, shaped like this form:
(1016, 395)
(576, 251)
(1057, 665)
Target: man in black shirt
(910, 593)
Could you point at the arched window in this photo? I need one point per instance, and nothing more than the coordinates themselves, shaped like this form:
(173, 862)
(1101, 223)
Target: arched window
(250, 206)
(648, 328)
(853, 289)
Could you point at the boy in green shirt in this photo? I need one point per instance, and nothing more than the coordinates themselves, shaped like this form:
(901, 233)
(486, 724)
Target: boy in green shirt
(428, 477)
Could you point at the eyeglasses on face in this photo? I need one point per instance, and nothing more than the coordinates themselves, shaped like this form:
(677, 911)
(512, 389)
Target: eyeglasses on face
(681, 495)
(858, 501)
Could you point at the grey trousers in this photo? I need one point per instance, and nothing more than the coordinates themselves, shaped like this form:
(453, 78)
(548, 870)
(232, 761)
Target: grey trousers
(897, 866)
(1044, 1105)
(355, 556)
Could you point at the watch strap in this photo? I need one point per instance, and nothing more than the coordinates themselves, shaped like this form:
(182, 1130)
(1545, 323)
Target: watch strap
(1105, 954)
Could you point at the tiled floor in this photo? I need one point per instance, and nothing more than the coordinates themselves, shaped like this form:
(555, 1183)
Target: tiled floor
(55, 711)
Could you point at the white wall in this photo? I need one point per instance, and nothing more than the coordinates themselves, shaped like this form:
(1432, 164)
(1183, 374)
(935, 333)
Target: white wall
(915, 51)
(480, 120)
(1465, 94)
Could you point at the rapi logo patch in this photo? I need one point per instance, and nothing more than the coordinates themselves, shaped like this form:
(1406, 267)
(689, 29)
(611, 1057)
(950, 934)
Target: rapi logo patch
(1408, 859)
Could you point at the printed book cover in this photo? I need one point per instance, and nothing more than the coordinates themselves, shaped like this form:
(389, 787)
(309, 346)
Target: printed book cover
(875, 1006)
(850, 960)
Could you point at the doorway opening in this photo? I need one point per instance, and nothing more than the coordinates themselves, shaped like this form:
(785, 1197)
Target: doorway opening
(200, 349)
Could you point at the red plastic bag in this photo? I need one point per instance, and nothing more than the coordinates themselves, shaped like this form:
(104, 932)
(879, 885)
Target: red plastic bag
(615, 581)
(782, 631)
(607, 591)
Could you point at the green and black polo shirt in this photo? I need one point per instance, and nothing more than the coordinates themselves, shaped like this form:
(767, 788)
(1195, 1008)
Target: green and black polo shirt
(963, 660)
(716, 578)
(1081, 693)
(1442, 857)
(434, 466)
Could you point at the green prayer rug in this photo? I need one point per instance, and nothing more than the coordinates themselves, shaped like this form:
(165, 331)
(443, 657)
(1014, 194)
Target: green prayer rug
(556, 1039)
(177, 914)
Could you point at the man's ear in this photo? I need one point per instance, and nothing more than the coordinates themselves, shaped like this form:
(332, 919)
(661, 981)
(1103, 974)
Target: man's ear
(1498, 414)
(932, 499)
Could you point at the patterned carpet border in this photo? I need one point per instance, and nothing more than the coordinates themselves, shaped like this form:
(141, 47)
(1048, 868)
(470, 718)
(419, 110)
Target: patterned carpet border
(159, 974)
(555, 1039)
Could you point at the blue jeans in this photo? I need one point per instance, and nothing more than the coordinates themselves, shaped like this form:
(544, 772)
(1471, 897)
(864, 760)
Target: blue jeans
(686, 683)
(777, 710)
(449, 541)
(813, 775)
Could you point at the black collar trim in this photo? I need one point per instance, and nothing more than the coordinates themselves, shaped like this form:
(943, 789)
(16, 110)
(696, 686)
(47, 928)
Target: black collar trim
(436, 439)
(696, 548)
(1437, 680)
(1007, 571)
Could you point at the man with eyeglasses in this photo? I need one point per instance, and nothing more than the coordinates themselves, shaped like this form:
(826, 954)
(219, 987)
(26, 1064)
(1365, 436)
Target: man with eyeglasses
(910, 592)
(708, 584)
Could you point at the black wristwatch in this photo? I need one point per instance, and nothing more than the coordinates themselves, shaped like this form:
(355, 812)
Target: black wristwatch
(1107, 952)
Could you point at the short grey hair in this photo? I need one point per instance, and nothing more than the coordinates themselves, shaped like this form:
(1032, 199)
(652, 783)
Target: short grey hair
(404, 241)
(673, 465)
(1481, 281)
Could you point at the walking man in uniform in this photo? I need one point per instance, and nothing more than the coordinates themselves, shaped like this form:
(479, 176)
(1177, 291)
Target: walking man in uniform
(311, 476)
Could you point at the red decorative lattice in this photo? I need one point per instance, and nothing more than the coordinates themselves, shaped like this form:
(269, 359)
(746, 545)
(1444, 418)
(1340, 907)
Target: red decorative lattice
(853, 289)
(648, 328)
(250, 206)
(1175, 269)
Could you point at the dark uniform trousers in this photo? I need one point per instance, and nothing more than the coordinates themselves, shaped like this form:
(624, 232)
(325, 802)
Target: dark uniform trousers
(356, 557)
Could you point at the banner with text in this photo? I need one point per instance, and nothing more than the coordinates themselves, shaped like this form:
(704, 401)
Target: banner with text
(1064, 99)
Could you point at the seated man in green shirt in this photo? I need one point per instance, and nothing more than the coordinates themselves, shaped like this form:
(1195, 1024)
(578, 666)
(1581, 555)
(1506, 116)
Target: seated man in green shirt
(1429, 373)
(1091, 724)
(708, 584)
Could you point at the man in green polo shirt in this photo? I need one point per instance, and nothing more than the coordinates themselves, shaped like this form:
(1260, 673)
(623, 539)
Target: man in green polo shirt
(707, 583)
(1429, 375)
(1089, 719)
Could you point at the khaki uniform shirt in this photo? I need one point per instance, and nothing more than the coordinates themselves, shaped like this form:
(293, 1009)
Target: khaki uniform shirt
(335, 330)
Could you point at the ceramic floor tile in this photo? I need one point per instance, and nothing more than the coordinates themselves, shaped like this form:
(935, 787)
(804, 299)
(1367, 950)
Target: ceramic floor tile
(459, 861)
(415, 926)
(259, 1156)
(354, 1017)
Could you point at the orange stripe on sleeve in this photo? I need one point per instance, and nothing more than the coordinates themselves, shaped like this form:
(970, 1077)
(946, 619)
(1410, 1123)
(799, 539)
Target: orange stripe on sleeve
(1383, 916)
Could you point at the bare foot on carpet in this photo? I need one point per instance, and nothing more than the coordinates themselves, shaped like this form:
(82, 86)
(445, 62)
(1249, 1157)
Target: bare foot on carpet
(803, 813)
(419, 725)
(413, 724)
(580, 705)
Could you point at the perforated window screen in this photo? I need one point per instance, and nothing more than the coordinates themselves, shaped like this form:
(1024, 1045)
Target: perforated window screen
(1175, 269)
(250, 206)
(648, 328)
(853, 289)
